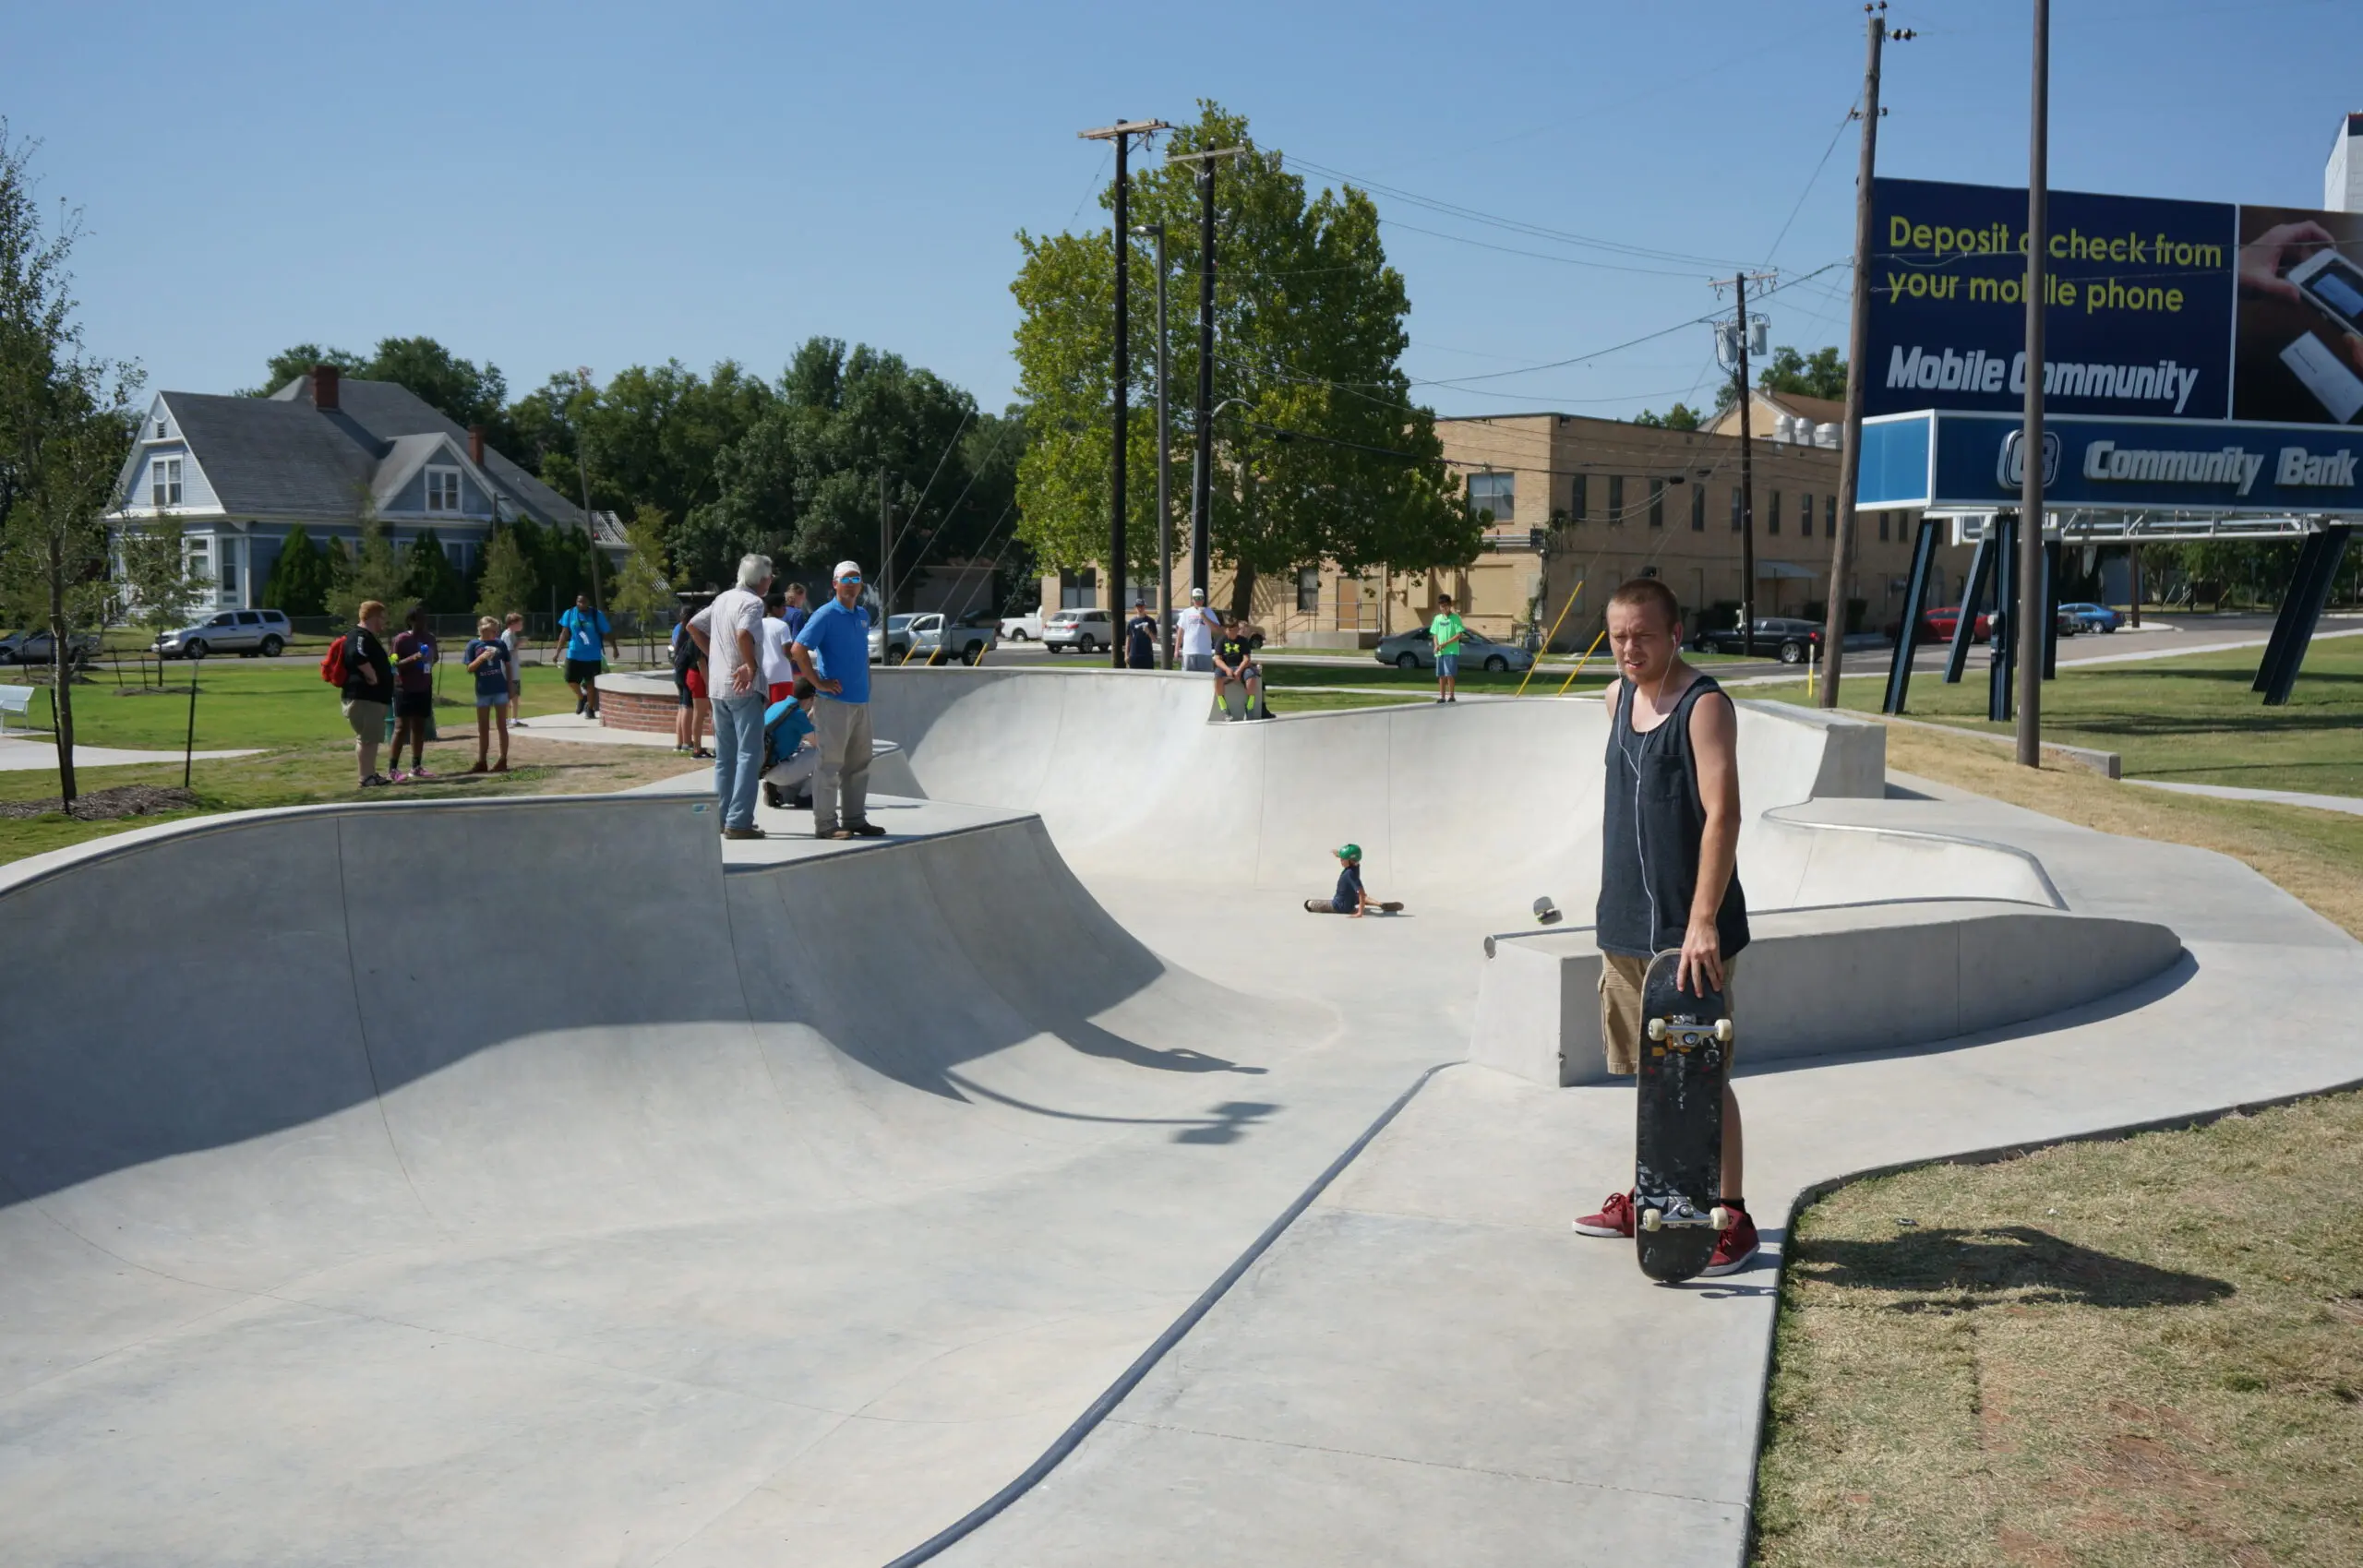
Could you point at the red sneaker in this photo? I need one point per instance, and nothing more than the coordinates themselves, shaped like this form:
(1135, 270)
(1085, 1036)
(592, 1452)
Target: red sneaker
(1615, 1217)
(1733, 1247)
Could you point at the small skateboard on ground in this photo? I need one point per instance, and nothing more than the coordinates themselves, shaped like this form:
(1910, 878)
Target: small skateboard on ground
(1678, 1139)
(1323, 906)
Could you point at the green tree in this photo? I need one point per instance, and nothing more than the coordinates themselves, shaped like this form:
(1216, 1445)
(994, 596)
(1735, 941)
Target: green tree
(66, 419)
(302, 578)
(506, 580)
(457, 388)
(371, 571)
(290, 363)
(1330, 459)
(1820, 374)
(429, 579)
(158, 588)
(642, 589)
(1681, 416)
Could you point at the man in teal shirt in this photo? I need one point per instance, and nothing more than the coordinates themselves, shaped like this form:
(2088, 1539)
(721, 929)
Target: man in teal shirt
(588, 636)
(1445, 632)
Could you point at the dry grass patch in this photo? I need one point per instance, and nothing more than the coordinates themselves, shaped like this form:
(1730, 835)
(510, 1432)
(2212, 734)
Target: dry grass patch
(2315, 855)
(2146, 1352)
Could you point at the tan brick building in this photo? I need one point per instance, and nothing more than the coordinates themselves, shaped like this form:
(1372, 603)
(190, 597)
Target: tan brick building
(1580, 505)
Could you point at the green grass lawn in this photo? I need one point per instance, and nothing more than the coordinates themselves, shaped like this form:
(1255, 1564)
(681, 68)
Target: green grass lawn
(2191, 720)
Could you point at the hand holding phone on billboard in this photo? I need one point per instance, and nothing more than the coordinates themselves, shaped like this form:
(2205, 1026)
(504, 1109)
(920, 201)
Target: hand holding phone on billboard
(2265, 259)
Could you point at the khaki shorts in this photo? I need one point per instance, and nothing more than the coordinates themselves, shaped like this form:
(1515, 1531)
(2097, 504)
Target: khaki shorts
(368, 718)
(1620, 1008)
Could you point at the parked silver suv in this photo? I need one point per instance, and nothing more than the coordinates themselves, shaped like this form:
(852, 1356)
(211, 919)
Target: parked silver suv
(246, 632)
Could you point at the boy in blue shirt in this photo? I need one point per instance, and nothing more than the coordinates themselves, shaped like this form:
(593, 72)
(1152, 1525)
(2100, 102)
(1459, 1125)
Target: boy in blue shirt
(588, 637)
(1350, 898)
(832, 651)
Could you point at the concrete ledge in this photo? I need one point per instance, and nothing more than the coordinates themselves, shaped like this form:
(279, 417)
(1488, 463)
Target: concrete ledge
(1815, 982)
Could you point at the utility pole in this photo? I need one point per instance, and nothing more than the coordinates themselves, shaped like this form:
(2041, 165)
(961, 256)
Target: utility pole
(2034, 603)
(582, 471)
(885, 554)
(1742, 331)
(1164, 473)
(1203, 476)
(1118, 553)
(1841, 548)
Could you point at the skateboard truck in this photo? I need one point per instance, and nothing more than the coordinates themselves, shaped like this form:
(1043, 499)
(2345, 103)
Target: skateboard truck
(1545, 912)
(1678, 1213)
(1690, 1036)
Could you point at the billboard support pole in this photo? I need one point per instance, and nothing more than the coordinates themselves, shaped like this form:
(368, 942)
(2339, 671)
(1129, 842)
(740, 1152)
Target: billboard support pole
(1915, 604)
(2027, 626)
(1841, 548)
(2007, 602)
(1973, 594)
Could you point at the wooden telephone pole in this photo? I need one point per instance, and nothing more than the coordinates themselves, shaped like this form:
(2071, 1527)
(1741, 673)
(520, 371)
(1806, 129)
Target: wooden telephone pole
(1842, 547)
(1119, 547)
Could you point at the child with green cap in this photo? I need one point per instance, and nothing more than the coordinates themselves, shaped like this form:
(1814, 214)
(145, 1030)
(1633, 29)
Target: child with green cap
(1350, 898)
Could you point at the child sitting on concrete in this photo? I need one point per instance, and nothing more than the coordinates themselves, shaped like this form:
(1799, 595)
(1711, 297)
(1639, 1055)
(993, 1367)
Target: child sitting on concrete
(1350, 898)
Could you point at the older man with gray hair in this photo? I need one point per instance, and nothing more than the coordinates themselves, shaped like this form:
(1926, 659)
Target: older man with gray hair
(832, 651)
(725, 633)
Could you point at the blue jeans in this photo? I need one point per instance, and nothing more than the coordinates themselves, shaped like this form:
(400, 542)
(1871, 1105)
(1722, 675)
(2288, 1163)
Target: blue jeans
(738, 755)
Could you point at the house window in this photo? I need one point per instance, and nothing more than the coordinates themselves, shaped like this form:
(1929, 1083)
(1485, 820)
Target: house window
(442, 489)
(1615, 500)
(164, 481)
(1699, 513)
(1657, 503)
(1772, 519)
(200, 560)
(1830, 516)
(1804, 516)
(160, 427)
(1580, 503)
(1495, 492)
(1308, 588)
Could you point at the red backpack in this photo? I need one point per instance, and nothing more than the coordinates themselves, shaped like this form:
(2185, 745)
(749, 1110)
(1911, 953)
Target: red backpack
(332, 663)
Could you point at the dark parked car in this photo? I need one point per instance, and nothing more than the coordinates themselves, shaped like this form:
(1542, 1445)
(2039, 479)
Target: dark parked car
(1787, 639)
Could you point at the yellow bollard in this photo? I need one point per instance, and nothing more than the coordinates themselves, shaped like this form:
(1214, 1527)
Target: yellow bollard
(1581, 663)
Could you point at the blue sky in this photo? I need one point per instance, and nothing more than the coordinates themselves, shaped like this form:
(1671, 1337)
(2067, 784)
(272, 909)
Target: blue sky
(551, 185)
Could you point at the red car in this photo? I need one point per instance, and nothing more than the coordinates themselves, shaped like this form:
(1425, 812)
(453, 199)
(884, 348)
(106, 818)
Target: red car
(1937, 626)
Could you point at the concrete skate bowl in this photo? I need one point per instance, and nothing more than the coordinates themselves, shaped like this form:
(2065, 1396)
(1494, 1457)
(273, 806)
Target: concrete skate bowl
(506, 1183)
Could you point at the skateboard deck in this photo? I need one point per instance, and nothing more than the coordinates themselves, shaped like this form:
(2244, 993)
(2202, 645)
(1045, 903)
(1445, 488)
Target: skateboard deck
(1678, 1139)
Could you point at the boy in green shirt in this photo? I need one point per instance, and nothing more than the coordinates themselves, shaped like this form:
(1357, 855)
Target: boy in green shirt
(1445, 632)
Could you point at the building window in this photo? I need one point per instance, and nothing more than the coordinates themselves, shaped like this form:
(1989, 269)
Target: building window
(1739, 519)
(1698, 510)
(1772, 519)
(1830, 516)
(1581, 506)
(1882, 527)
(1308, 589)
(1657, 503)
(442, 489)
(160, 427)
(164, 481)
(200, 560)
(1615, 500)
(1080, 589)
(1804, 516)
(1495, 492)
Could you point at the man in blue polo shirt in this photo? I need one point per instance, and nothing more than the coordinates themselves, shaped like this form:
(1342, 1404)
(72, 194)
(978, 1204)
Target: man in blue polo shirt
(832, 650)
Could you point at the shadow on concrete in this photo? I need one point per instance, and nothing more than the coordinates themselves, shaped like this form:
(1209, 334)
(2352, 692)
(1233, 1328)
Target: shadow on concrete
(1948, 1270)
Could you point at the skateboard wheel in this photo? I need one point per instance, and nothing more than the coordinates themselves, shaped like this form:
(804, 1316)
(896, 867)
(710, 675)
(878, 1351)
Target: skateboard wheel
(1724, 1031)
(1657, 1028)
(1721, 1216)
(1651, 1219)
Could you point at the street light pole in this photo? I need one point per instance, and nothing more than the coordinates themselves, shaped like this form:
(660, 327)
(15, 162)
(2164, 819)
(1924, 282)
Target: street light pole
(1202, 474)
(2033, 606)
(1164, 473)
(1119, 550)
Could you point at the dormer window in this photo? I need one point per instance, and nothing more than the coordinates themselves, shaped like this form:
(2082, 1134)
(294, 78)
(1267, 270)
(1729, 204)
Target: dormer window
(442, 489)
(163, 482)
(160, 427)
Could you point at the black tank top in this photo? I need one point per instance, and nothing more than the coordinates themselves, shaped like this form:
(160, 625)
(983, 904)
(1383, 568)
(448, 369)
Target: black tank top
(1653, 823)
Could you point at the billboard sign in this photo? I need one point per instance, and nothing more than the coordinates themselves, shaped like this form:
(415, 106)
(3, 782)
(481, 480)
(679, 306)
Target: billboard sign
(1957, 461)
(2154, 309)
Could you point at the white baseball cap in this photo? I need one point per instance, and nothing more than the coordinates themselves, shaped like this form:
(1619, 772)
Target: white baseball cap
(845, 570)
(1197, 593)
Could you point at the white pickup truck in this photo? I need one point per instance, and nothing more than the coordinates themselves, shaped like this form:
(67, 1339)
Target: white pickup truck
(1026, 628)
(922, 640)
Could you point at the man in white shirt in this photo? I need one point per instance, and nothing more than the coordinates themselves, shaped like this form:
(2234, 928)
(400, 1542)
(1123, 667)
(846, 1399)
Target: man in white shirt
(727, 632)
(1194, 629)
(779, 671)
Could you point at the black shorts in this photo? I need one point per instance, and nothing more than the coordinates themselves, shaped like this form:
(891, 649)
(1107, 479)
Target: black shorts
(682, 685)
(579, 670)
(413, 704)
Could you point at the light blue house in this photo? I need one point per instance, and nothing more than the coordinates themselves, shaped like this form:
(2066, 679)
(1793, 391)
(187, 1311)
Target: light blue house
(325, 451)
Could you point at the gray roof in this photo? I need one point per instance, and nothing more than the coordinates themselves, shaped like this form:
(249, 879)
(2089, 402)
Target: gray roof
(389, 409)
(279, 456)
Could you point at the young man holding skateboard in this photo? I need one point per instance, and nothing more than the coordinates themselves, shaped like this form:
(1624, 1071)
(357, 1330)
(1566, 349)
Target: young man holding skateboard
(1668, 870)
(1444, 634)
